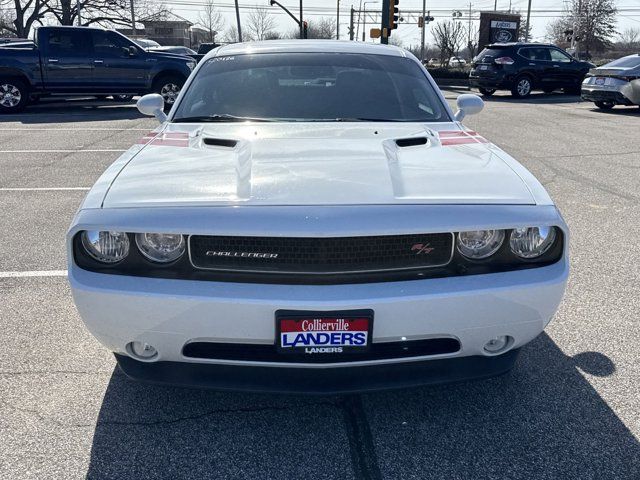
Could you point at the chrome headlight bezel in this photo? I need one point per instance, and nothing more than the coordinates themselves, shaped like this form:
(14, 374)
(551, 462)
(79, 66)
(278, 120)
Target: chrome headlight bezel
(145, 243)
(484, 248)
(546, 237)
(95, 242)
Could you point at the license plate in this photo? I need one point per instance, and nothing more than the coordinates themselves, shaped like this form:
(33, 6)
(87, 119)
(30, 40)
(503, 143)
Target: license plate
(318, 333)
(600, 80)
(484, 67)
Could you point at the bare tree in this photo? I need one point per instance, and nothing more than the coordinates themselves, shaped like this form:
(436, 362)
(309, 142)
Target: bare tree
(6, 19)
(103, 12)
(449, 36)
(473, 37)
(630, 37)
(593, 22)
(261, 25)
(231, 34)
(211, 19)
(22, 16)
(324, 29)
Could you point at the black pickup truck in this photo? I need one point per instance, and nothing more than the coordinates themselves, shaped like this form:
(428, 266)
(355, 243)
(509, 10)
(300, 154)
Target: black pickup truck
(83, 61)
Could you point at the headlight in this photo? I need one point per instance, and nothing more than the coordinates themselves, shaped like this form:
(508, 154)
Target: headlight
(479, 244)
(531, 242)
(191, 65)
(106, 247)
(161, 247)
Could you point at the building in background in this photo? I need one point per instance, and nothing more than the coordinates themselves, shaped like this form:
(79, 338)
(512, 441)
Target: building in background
(167, 28)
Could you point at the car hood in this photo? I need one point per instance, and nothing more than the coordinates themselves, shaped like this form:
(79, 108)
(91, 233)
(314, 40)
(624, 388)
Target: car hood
(169, 55)
(316, 164)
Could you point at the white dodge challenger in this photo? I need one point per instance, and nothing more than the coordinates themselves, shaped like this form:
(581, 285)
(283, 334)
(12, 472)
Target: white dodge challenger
(311, 216)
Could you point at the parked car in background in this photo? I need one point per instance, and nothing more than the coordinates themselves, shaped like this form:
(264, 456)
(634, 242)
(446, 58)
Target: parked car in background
(313, 217)
(205, 48)
(82, 61)
(434, 62)
(616, 83)
(524, 67)
(180, 50)
(457, 62)
(146, 43)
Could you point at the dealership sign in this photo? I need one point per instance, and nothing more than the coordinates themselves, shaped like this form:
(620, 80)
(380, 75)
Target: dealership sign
(498, 27)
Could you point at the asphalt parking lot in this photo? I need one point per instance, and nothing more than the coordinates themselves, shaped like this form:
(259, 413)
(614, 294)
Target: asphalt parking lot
(570, 409)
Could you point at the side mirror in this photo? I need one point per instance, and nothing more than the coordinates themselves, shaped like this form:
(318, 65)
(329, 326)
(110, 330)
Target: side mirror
(152, 105)
(468, 104)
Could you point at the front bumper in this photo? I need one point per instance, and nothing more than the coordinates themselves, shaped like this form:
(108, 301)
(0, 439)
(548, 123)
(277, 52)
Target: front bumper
(326, 382)
(172, 313)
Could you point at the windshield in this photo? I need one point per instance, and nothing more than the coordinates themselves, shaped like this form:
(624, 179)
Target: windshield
(626, 62)
(311, 87)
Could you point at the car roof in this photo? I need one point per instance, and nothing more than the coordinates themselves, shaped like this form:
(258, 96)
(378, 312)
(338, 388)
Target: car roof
(307, 46)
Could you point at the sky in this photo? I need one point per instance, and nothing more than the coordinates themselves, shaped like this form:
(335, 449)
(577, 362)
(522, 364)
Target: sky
(543, 12)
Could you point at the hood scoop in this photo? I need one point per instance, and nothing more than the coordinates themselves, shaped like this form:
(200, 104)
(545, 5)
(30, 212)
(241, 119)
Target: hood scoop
(220, 142)
(411, 142)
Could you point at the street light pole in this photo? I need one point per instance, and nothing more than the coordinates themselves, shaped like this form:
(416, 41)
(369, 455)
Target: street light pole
(133, 20)
(238, 21)
(338, 20)
(526, 32)
(424, 27)
(299, 22)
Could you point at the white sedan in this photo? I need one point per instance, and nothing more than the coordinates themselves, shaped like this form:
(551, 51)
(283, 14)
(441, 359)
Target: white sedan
(311, 216)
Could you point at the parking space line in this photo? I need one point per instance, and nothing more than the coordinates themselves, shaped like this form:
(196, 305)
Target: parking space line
(42, 189)
(34, 273)
(105, 150)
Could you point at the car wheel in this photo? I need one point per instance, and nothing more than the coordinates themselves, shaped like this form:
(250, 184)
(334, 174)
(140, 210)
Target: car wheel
(14, 95)
(605, 105)
(122, 98)
(168, 87)
(487, 92)
(522, 87)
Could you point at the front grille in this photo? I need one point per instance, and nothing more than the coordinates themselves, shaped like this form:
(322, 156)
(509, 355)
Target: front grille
(268, 353)
(320, 255)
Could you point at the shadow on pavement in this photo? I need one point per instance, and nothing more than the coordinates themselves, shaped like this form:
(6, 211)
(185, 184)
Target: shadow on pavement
(542, 420)
(535, 98)
(74, 110)
(619, 110)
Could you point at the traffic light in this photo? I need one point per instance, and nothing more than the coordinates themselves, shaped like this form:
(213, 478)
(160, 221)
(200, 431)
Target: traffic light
(393, 14)
(420, 22)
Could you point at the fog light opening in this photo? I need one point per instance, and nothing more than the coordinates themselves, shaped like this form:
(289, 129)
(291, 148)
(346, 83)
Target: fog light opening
(499, 344)
(142, 351)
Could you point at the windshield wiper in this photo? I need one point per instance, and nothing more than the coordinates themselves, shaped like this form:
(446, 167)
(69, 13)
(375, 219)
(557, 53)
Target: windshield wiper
(219, 117)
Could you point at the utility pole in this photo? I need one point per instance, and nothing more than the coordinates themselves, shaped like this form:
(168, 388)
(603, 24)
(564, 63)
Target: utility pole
(526, 32)
(301, 21)
(469, 32)
(338, 20)
(495, 5)
(359, 15)
(133, 19)
(351, 25)
(238, 21)
(424, 27)
(385, 26)
(78, 7)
